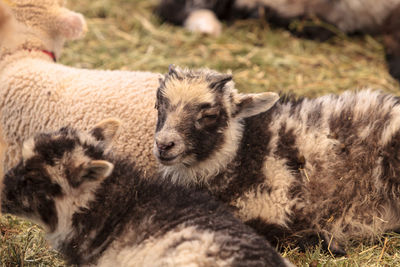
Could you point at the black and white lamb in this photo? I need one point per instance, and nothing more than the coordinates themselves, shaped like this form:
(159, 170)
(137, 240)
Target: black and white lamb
(348, 16)
(99, 210)
(327, 167)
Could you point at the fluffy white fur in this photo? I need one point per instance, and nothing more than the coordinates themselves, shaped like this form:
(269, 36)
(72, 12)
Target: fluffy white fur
(38, 94)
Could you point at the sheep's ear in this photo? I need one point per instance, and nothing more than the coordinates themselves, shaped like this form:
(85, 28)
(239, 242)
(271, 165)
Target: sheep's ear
(248, 105)
(219, 81)
(70, 25)
(106, 129)
(96, 170)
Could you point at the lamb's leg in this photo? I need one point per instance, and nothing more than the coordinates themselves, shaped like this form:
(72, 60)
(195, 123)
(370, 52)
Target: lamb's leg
(312, 238)
(274, 233)
(280, 236)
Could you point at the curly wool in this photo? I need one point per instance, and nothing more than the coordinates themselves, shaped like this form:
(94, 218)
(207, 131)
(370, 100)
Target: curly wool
(38, 94)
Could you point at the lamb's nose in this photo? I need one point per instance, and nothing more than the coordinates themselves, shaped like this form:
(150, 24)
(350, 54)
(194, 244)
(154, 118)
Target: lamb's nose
(165, 146)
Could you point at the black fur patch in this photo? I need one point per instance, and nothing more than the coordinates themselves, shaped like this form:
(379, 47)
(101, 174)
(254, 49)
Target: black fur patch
(287, 149)
(202, 147)
(98, 134)
(51, 150)
(272, 232)
(93, 151)
(173, 11)
(29, 191)
(393, 65)
(162, 103)
(177, 11)
(245, 172)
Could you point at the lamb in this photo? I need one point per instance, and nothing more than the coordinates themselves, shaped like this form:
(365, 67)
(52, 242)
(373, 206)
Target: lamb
(294, 169)
(348, 16)
(37, 94)
(99, 209)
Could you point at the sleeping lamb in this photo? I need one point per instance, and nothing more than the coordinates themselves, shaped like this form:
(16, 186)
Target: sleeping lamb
(326, 167)
(328, 16)
(36, 93)
(98, 209)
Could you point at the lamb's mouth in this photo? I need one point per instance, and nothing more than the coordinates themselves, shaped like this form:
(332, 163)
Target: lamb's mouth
(168, 160)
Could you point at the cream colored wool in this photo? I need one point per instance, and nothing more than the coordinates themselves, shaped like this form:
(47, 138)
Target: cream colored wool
(37, 94)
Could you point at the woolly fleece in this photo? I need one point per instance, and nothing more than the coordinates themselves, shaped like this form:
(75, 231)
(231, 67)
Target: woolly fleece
(37, 94)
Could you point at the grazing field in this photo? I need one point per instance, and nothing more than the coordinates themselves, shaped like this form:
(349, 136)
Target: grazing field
(125, 34)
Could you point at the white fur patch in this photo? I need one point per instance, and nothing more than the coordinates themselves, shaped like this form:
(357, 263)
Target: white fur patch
(162, 251)
(273, 208)
(188, 91)
(203, 21)
(28, 149)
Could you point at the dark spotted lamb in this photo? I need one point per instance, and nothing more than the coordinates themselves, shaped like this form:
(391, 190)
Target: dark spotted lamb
(99, 210)
(328, 18)
(326, 167)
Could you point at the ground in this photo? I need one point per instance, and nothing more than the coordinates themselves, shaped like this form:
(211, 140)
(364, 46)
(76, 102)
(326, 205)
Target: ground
(125, 34)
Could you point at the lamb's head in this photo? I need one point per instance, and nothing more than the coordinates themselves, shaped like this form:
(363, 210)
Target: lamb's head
(200, 120)
(38, 24)
(57, 175)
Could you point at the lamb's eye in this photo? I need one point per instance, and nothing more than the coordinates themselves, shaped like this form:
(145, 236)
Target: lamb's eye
(208, 118)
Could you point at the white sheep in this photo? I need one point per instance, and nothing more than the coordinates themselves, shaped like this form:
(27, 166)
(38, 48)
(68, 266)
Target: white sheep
(36, 93)
(98, 210)
(293, 168)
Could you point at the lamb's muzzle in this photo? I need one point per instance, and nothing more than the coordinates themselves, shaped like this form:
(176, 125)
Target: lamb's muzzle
(168, 147)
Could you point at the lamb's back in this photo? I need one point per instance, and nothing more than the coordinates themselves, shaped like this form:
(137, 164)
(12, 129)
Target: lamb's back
(37, 95)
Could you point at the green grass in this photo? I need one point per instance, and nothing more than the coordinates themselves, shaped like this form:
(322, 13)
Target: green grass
(127, 35)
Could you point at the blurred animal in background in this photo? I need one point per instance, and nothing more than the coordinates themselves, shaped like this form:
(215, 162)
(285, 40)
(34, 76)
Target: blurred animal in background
(36, 93)
(3, 149)
(99, 210)
(299, 169)
(50, 25)
(315, 19)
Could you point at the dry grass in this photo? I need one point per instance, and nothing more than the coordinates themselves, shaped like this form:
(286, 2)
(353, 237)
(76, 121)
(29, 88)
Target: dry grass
(127, 35)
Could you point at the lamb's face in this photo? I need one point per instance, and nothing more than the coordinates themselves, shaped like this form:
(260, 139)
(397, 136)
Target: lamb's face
(196, 111)
(192, 117)
(55, 167)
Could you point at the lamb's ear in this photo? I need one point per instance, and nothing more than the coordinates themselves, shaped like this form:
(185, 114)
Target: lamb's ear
(106, 129)
(219, 81)
(248, 105)
(172, 71)
(96, 170)
(69, 24)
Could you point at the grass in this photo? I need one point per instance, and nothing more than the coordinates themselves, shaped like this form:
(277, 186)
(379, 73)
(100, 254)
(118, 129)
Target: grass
(126, 35)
